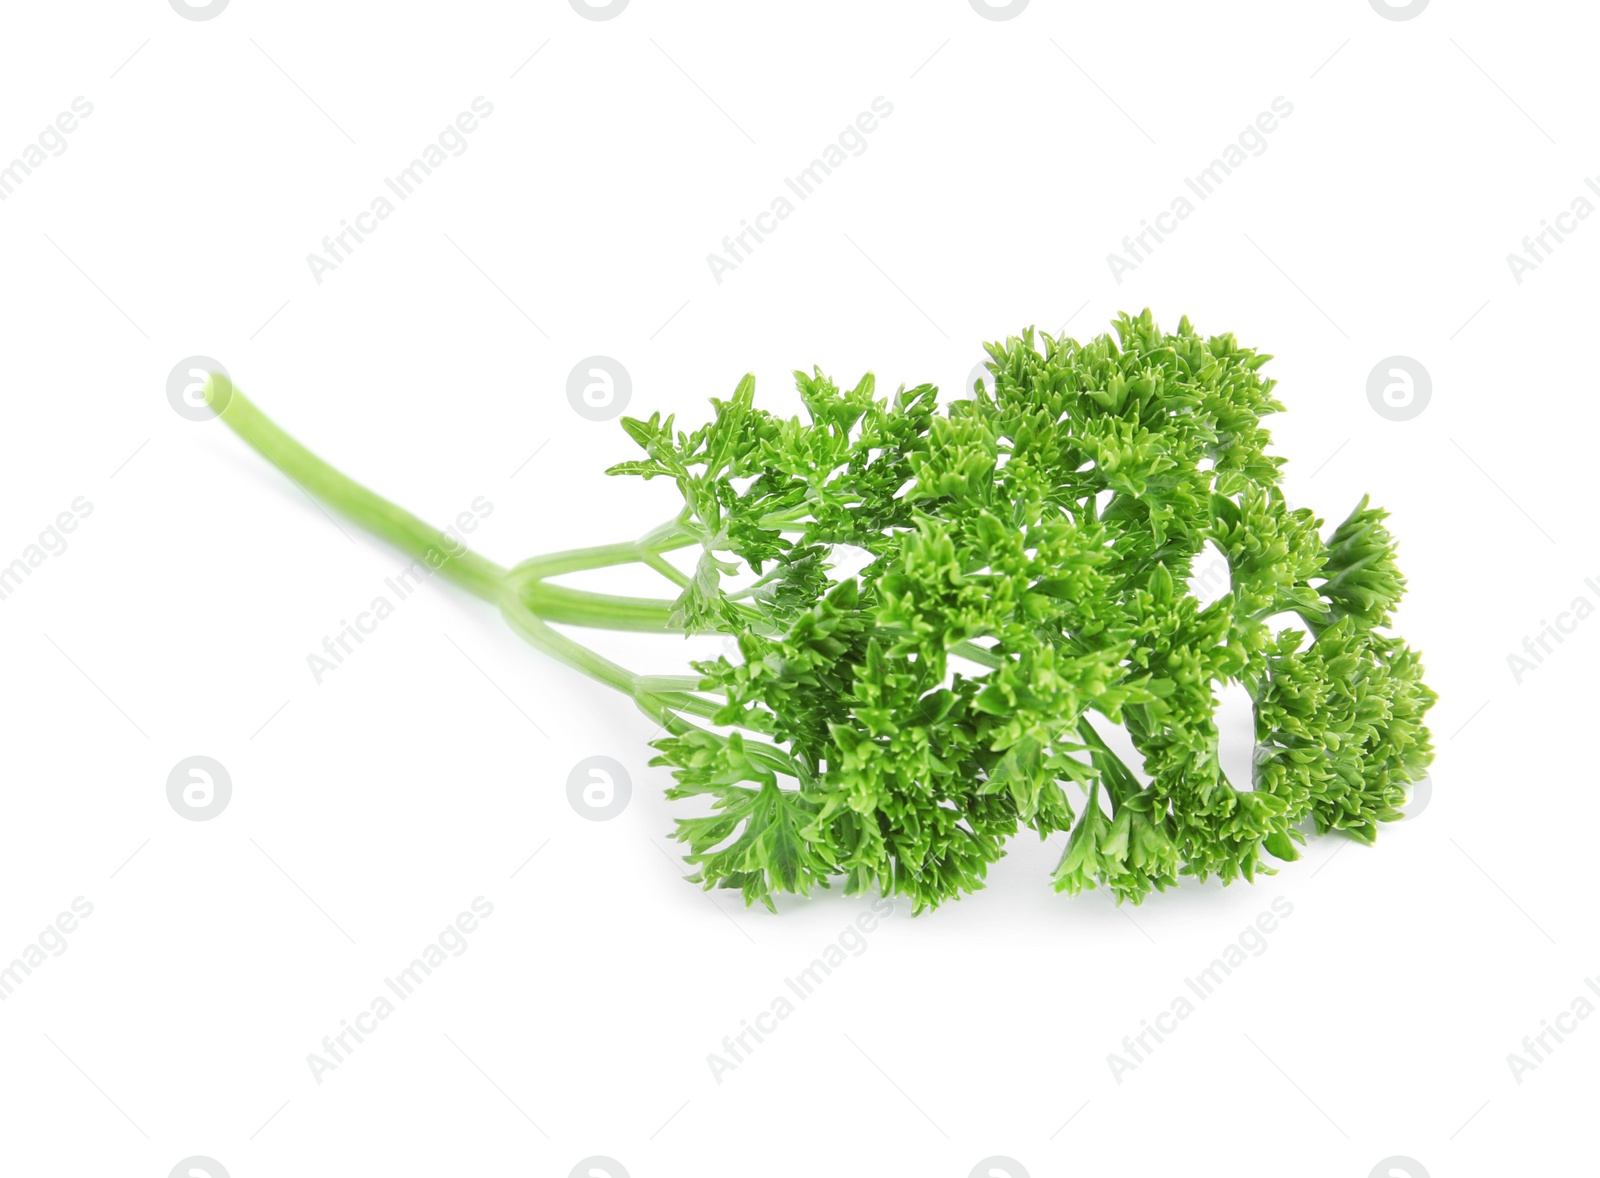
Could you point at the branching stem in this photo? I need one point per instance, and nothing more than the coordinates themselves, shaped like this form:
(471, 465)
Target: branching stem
(528, 602)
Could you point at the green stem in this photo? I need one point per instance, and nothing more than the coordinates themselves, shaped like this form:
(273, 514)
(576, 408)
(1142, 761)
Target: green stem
(527, 601)
(520, 593)
(376, 514)
(604, 611)
(1119, 780)
(666, 538)
(563, 649)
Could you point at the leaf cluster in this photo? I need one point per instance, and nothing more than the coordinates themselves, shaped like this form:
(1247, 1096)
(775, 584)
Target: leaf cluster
(1027, 555)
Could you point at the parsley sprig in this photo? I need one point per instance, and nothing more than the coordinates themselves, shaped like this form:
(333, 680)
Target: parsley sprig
(1027, 551)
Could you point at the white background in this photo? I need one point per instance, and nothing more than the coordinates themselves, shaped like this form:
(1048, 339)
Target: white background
(370, 809)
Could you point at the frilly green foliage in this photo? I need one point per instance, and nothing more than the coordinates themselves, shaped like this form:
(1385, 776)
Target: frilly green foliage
(1030, 547)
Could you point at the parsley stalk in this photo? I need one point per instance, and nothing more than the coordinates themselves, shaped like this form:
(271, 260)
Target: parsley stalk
(521, 593)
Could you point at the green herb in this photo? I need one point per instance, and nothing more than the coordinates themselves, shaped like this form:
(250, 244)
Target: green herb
(1027, 552)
